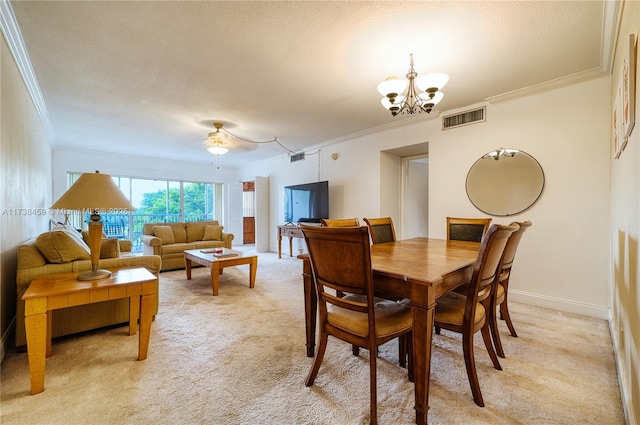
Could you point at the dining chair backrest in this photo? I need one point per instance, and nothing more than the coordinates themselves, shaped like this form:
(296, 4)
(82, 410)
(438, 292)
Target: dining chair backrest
(467, 229)
(381, 229)
(512, 247)
(341, 260)
(501, 294)
(489, 258)
(340, 222)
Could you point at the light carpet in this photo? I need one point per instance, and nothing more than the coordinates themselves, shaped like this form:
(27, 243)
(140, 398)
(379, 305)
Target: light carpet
(239, 358)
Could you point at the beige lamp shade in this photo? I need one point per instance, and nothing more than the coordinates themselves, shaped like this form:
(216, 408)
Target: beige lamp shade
(93, 191)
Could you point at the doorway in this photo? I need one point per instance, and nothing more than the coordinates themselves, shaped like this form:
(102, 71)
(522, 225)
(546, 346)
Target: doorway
(248, 213)
(415, 196)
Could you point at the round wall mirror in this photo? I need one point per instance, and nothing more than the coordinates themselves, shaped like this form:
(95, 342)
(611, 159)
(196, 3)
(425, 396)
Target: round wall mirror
(505, 182)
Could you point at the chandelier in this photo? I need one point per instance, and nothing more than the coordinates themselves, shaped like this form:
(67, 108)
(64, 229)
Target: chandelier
(412, 102)
(217, 142)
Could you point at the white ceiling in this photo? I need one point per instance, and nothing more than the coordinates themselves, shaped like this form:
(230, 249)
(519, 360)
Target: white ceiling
(149, 78)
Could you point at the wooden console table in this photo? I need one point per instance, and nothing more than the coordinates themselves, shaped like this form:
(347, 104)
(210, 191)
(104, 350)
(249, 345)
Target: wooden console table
(290, 231)
(63, 290)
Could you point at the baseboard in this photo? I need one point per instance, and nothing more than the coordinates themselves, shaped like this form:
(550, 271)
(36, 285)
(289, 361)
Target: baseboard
(560, 304)
(625, 391)
(6, 343)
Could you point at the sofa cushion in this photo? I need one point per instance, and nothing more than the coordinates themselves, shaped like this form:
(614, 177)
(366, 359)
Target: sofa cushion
(195, 230)
(110, 248)
(209, 244)
(177, 248)
(212, 233)
(179, 232)
(85, 236)
(29, 256)
(165, 233)
(62, 246)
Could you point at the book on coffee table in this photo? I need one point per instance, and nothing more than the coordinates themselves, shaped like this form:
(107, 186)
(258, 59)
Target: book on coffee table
(220, 252)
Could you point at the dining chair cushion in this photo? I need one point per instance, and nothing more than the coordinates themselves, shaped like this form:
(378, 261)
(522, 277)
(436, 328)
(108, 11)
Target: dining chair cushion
(382, 233)
(466, 232)
(482, 295)
(391, 317)
(450, 309)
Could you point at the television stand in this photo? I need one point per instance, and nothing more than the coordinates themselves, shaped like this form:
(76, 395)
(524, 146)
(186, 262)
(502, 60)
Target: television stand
(291, 231)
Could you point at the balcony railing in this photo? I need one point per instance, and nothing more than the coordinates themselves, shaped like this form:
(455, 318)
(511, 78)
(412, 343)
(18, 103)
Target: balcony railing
(131, 224)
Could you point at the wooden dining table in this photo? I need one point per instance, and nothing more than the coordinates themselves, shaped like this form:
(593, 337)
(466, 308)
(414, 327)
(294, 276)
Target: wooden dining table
(421, 269)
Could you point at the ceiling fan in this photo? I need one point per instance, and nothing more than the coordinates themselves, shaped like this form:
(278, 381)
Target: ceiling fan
(217, 142)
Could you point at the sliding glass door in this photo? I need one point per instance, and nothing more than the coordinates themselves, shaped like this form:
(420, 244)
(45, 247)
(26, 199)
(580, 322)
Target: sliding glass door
(159, 201)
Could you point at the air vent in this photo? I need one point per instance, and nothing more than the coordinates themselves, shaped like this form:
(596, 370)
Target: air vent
(297, 157)
(464, 118)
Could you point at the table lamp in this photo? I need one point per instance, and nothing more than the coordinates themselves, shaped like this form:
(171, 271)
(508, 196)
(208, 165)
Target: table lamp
(96, 193)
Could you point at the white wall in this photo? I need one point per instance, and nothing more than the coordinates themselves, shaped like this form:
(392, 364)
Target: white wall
(25, 167)
(625, 234)
(65, 160)
(563, 260)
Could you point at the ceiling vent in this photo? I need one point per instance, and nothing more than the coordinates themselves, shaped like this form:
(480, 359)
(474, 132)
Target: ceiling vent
(464, 118)
(297, 157)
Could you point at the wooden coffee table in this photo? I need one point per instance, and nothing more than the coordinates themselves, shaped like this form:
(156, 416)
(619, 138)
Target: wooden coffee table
(216, 261)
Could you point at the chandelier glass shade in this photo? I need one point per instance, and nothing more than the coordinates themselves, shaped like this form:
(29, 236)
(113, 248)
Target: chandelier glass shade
(217, 141)
(415, 100)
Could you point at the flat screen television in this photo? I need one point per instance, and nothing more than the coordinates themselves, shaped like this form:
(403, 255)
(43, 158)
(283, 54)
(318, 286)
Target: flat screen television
(306, 203)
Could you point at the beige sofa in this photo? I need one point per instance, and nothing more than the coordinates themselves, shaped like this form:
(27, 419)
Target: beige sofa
(55, 252)
(170, 240)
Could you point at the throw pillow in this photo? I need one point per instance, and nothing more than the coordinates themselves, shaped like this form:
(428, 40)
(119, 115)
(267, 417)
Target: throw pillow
(110, 248)
(165, 233)
(69, 229)
(62, 247)
(85, 236)
(212, 233)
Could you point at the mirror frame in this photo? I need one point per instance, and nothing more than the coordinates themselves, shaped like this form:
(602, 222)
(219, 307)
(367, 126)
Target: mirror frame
(535, 174)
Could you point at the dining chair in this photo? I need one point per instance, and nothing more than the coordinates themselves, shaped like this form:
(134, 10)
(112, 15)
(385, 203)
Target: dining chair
(467, 229)
(340, 259)
(464, 314)
(340, 222)
(502, 288)
(381, 229)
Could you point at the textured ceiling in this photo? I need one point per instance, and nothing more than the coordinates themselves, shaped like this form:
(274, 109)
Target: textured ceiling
(149, 78)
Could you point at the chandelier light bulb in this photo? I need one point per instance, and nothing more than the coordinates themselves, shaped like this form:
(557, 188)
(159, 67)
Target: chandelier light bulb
(435, 80)
(388, 105)
(392, 86)
(437, 97)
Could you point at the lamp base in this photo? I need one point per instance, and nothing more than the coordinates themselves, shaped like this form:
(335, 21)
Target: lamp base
(94, 275)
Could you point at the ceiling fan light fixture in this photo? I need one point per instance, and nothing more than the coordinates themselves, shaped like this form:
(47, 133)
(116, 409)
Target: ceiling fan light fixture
(217, 150)
(217, 141)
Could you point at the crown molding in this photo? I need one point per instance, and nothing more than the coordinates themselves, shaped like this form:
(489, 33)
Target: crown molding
(550, 85)
(11, 31)
(611, 16)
